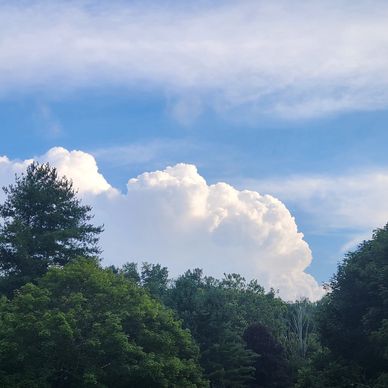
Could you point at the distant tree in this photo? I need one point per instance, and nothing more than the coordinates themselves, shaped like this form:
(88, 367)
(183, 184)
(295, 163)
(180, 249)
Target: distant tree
(300, 325)
(271, 366)
(82, 326)
(253, 305)
(302, 337)
(43, 224)
(129, 270)
(154, 278)
(205, 308)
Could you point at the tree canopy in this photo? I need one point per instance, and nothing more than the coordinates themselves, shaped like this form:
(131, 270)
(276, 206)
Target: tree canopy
(353, 322)
(217, 313)
(67, 322)
(354, 318)
(83, 326)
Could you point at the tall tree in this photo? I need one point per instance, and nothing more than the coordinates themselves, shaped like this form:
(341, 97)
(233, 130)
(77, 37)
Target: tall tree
(43, 224)
(353, 321)
(302, 336)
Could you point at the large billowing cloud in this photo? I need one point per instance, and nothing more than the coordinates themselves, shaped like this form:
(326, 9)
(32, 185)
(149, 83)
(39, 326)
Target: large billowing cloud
(176, 218)
(294, 59)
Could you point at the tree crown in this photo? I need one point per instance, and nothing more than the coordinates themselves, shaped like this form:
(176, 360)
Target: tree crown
(44, 224)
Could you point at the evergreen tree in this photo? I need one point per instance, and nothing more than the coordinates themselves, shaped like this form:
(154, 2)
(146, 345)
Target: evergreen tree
(43, 224)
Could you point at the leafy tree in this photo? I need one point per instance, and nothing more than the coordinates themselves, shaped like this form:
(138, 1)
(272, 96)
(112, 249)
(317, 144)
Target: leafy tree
(82, 326)
(44, 224)
(324, 370)
(129, 270)
(353, 322)
(271, 366)
(253, 305)
(206, 307)
(354, 315)
(154, 278)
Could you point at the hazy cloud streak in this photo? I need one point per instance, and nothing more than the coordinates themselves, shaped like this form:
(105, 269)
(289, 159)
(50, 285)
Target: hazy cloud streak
(354, 203)
(298, 59)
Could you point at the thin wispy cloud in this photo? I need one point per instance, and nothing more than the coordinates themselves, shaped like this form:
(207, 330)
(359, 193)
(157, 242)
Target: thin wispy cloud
(142, 153)
(293, 59)
(353, 202)
(50, 124)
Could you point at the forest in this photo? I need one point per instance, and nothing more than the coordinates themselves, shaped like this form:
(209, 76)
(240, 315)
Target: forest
(68, 321)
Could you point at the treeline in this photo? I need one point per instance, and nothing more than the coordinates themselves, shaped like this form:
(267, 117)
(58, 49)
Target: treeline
(65, 321)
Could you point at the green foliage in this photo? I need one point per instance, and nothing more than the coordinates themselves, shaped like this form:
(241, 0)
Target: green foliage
(252, 305)
(271, 368)
(129, 271)
(81, 326)
(324, 370)
(152, 277)
(354, 315)
(44, 224)
(353, 323)
(76, 325)
(217, 313)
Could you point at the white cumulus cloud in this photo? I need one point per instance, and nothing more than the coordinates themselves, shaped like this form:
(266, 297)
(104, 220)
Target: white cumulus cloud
(294, 59)
(176, 218)
(80, 167)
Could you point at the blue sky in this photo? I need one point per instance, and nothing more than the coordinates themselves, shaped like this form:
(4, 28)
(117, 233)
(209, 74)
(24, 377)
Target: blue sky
(287, 101)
